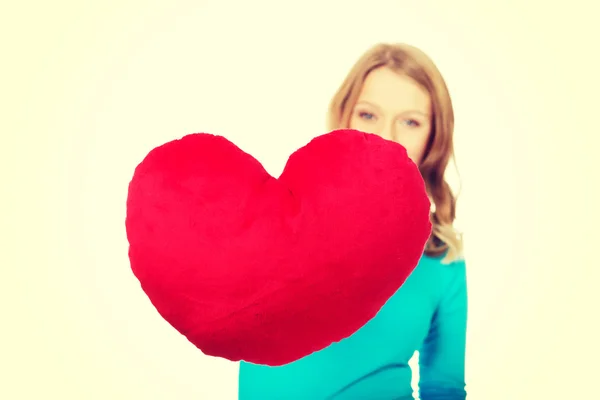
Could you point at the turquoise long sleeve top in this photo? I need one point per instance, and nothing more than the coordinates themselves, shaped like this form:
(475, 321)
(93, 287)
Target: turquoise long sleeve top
(427, 314)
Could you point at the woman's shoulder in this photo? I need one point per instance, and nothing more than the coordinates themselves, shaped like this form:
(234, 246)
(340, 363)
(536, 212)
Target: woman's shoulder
(439, 272)
(437, 284)
(441, 262)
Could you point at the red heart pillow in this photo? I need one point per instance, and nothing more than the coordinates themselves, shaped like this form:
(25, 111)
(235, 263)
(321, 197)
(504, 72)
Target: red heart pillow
(268, 270)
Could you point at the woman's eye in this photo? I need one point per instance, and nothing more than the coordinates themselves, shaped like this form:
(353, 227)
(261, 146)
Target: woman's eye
(366, 115)
(411, 122)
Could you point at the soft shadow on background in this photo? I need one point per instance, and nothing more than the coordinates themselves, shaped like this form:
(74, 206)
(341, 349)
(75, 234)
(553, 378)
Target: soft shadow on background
(88, 88)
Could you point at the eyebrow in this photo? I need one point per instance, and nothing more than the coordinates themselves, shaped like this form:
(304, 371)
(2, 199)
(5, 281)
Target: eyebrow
(424, 114)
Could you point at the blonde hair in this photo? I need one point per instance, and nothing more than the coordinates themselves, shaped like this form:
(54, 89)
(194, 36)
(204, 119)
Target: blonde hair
(414, 63)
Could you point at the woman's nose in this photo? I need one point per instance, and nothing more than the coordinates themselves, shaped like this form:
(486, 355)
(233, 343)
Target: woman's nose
(386, 132)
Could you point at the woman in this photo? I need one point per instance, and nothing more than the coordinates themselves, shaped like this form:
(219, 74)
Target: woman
(394, 91)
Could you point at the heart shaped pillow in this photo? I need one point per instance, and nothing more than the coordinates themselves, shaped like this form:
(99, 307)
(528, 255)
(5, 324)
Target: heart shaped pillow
(268, 270)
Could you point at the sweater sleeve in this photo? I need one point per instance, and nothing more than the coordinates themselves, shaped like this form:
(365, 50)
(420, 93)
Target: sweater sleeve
(442, 356)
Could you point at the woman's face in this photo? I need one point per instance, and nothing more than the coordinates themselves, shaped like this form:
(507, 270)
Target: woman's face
(396, 108)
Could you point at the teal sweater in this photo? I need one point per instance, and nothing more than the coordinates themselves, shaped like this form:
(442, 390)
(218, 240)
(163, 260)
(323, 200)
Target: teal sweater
(428, 313)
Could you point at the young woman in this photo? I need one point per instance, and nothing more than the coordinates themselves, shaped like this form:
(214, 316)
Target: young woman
(394, 91)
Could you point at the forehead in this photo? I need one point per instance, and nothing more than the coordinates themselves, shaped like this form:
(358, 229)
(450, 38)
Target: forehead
(394, 92)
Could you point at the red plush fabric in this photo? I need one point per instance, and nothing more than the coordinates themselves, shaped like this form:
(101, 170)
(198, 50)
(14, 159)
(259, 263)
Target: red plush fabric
(268, 270)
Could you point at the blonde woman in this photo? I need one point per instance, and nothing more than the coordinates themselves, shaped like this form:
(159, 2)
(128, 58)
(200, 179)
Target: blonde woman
(395, 91)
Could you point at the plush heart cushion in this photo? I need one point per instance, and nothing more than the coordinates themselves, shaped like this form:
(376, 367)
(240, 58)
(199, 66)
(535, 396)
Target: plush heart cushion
(268, 270)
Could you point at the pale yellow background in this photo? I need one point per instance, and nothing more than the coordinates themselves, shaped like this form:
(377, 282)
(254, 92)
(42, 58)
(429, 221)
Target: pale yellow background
(89, 87)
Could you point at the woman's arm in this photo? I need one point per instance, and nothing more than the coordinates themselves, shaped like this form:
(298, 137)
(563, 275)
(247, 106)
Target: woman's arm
(442, 356)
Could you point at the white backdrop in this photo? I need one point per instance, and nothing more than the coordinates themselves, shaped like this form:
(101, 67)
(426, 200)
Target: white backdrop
(91, 87)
